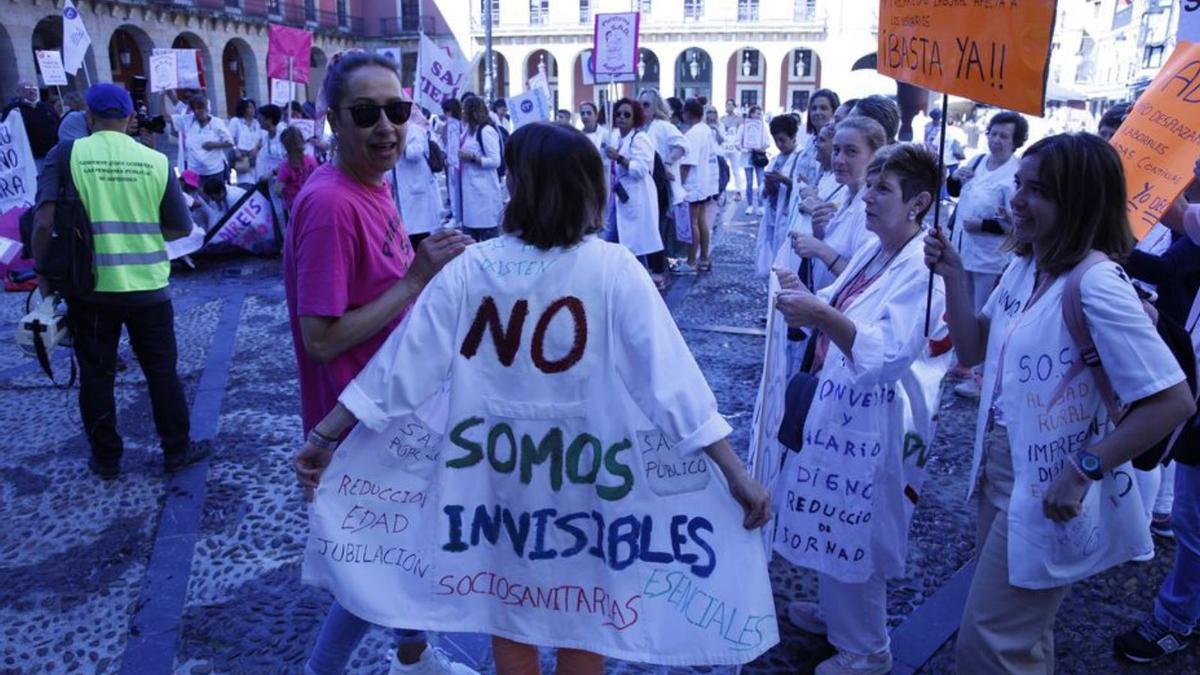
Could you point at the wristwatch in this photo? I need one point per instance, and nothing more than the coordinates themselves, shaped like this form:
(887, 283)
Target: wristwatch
(1089, 465)
(321, 440)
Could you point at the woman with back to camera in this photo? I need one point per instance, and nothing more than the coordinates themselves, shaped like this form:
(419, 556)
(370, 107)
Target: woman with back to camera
(415, 187)
(634, 358)
(670, 146)
(1055, 509)
(479, 158)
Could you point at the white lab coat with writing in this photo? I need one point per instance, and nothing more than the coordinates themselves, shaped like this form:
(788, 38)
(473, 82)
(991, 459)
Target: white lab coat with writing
(868, 432)
(482, 199)
(416, 193)
(637, 217)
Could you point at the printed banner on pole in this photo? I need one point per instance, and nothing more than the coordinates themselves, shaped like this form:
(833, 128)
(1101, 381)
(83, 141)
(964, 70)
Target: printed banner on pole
(51, 65)
(18, 172)
(528, 107)
(284, 42)
(615, 44)
(995, 52)
(1159, 142)
(541, 84)
(75, 37)
(588, 68)
(440, 76)
(164, 71)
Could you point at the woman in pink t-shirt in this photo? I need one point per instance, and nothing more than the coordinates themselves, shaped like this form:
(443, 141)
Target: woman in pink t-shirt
(294, 170)
(350, 274)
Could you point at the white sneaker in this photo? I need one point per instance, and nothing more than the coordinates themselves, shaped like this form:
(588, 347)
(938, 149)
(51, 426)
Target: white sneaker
(968, 388)
(845, 663)
(433, 661)
(683, 270)
(806, 616)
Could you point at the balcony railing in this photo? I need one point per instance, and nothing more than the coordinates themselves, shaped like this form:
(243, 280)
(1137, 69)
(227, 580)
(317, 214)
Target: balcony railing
(399, 26)
(275, 11)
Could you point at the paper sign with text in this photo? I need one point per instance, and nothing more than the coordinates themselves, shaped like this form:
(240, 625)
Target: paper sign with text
(164, 71)
(188, 74)
(51, 65)
(497, 496)
(282, 93)
(995, 52)
(615, 44)
(1159, 141)
(18, 172)
(440, 76)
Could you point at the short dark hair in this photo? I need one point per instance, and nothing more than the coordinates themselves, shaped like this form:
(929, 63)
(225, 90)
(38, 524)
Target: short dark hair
(453, 108)
(785, 124)
(596, 109)
(883, 110)
(827, 94)
(564, 111)
(341, 66)
(242, 105)
(498, 104)
(639, 115)
(271, 112)
(214, 186)
(1082, 173)
(1020, 125)
(754, 108)
(675, 105)
(693, 109)
(914, 166)
(558, 185)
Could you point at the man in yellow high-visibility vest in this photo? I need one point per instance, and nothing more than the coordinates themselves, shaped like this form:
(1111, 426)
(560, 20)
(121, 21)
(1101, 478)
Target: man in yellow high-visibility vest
(134, 203)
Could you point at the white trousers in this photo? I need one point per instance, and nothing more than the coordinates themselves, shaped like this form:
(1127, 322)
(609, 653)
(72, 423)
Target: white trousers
(855, 614)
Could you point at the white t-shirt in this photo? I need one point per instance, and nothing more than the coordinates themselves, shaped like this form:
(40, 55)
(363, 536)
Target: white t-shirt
(245, 136)
(846, 232)
(981, 198)
(206, 162)
(271, 155)
(1037, 352)
(703, 178)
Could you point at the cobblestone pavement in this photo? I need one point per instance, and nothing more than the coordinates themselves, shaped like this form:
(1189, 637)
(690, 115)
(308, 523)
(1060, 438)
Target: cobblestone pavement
(75, 552)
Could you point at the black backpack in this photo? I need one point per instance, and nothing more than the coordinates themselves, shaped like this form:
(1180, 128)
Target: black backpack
(503, 134)
(67, 263)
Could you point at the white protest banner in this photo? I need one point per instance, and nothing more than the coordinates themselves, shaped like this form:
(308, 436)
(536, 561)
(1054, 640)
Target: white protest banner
(615, 44)
(75, 37)
(282, 92)
(51, 65)
(528, 107)
(187, 67)
(249, 226)
(1189, 22)
(440, 76)
(540, 83)
(503, 503)
(588, 69)
(164, 71)
(18, 172)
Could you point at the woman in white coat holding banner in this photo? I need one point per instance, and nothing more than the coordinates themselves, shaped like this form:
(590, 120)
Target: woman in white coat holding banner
(846, 499)
(479, 156)
(633, 201)
(415, 189)
(1057, 503)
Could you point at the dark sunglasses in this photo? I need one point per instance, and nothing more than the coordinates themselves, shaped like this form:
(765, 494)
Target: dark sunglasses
(366, 115)
(622, 113)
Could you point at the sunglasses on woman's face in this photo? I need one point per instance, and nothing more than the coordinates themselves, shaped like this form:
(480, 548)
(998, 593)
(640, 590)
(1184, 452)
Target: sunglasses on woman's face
(366, 115)
(620, 114)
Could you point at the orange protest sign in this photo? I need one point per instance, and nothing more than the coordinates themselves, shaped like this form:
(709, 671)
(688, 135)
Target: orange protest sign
(991, 51)
(1160, 140)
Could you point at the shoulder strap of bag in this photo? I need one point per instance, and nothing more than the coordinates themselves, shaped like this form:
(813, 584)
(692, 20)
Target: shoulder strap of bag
(1076, 321)
(62, 164)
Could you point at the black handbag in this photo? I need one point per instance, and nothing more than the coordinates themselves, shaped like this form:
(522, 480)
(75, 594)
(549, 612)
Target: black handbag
(759, 158)
(798, 400)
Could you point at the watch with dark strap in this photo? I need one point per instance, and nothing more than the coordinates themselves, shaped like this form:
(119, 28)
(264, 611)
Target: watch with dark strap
(1089, 464)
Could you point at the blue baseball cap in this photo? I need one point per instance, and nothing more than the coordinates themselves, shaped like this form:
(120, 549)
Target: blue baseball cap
(109, 101)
